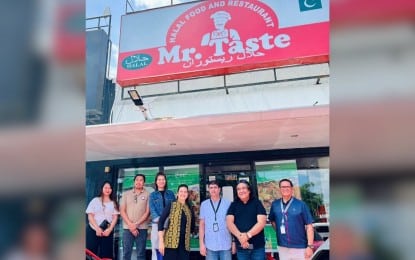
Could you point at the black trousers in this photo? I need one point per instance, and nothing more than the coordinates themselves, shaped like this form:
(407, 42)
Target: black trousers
(101, 246)
(179, 253)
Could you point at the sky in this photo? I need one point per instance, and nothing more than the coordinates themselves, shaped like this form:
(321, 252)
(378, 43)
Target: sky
(96, 8)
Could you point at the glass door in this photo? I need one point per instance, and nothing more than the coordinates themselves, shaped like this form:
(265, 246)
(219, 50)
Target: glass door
(228, 176)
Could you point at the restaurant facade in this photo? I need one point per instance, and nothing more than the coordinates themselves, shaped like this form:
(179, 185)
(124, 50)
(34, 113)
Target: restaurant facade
(229, 90)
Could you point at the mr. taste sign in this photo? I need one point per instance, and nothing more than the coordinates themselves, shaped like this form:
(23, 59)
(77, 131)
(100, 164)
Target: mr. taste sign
(220, 37)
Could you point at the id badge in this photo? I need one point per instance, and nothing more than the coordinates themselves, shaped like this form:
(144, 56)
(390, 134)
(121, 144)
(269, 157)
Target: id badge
(282, 228)
(215, 227)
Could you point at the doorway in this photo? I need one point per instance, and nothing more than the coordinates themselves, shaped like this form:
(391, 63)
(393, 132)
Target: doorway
(228, 176)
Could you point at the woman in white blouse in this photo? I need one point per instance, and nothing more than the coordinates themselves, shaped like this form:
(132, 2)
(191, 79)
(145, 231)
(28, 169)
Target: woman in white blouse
(102, 216)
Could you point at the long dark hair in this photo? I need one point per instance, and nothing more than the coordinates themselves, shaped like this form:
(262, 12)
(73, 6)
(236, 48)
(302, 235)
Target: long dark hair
(188, 203)
(251, 195)
(112, 195)
(155, 180)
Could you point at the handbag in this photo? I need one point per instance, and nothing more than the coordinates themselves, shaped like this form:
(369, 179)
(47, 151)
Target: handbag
(104, 224)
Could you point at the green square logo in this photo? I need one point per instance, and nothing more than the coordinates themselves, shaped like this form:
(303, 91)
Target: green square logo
(307, 5)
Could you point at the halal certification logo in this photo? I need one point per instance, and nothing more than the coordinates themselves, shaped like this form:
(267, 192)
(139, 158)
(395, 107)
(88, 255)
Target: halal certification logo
(137, 61)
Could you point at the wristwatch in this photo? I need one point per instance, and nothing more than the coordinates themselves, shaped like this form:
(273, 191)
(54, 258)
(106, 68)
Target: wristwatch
(310, 246)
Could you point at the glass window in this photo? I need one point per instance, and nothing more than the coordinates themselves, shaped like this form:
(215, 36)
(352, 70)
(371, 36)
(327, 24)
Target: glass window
(310, 178)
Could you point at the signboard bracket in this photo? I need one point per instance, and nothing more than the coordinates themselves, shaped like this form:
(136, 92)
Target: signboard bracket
(224, 84)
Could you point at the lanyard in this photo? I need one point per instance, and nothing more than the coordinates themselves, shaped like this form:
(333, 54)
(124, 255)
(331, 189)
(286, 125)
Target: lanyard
(284, 211)
(215, 210)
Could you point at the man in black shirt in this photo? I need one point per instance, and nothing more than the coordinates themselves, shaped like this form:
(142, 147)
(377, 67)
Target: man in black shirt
(246, 220)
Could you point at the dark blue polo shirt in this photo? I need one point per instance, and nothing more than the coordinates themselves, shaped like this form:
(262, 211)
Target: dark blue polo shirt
(298, 215)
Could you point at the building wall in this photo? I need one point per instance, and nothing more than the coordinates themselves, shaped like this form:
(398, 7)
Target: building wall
(263, 90)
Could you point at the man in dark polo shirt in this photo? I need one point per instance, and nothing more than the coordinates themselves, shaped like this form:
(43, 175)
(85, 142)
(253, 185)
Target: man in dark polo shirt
(246, 220)
(292, 222)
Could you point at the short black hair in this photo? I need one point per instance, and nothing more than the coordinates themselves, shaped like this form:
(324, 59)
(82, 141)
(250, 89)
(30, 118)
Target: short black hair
(214, 182)
(287, 180)
(140, 174)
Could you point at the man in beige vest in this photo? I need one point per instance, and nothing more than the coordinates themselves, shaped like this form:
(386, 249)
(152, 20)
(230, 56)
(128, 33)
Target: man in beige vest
(134, 211)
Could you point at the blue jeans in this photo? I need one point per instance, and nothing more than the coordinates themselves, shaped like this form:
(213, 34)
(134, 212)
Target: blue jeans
(218, 255)
(251, 254)
(159, 255)
(140, 244)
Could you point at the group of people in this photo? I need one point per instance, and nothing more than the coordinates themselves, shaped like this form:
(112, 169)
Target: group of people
(238, 227)
(225, 227)
(172, 220)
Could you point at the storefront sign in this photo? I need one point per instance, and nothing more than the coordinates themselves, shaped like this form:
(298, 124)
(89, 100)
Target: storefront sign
(221, 37)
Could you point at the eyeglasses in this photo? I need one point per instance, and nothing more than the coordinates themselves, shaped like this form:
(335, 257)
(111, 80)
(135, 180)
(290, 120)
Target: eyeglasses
(285, 187)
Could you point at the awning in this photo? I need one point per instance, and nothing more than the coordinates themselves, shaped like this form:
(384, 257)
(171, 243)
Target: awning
(254, 131)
